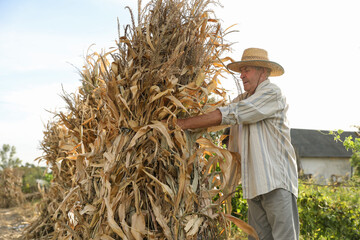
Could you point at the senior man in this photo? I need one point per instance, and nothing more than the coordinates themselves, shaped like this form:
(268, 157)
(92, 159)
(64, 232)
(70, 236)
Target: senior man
(261, 135)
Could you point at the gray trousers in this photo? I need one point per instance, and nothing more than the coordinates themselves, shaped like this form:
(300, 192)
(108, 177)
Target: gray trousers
(274, 215)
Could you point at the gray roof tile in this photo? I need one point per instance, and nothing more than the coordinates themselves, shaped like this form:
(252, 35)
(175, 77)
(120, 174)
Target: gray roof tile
(317, 143)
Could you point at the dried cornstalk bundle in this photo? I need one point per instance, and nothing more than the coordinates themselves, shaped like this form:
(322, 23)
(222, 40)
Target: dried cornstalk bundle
(122, 168)
(10, 190)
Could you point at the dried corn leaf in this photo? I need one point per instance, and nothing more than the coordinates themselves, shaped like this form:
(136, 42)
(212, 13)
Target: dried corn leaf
(138, 226)
(242, 225)
(121, 166)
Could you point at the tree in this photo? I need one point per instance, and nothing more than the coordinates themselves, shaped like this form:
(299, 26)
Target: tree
(8, 159)
(353, 145)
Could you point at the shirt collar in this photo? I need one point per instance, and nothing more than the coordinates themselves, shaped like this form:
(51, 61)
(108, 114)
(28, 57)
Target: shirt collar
(263, 84)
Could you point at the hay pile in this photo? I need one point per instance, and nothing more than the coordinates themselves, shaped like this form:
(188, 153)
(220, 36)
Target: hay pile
(10, 188)
(122, 168)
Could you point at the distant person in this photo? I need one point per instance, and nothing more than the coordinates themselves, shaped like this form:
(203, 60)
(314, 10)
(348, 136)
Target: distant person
(261, 135)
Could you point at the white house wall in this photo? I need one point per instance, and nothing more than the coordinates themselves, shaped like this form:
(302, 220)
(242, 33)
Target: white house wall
(322, 169)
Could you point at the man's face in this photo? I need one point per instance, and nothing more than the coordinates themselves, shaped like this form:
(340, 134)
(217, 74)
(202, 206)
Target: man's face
(251, 78)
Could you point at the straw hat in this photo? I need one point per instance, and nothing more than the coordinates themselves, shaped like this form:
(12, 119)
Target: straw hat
(257, 57)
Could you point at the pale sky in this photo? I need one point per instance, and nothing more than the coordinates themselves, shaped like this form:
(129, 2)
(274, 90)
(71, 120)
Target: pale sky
(42, 41)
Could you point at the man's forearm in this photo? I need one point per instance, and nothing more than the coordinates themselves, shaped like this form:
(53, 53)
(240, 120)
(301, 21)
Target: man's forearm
(202, 121)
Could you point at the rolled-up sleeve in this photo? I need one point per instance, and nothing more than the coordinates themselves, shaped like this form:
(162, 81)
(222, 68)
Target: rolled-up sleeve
(264, 103)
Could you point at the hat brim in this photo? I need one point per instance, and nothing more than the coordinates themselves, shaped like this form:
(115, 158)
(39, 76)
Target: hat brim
(276, 69)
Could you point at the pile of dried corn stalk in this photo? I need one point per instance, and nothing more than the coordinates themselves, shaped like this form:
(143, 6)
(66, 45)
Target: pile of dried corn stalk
(10, 188)
(122, 167)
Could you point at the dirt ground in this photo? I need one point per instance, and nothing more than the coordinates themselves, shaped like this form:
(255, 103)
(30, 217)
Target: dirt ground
(14, 220)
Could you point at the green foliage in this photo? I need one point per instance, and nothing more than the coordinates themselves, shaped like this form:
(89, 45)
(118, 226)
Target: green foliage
(353, 145)
(239, 204)
(33, 173)
(8, 159)
(329, 212)
(48, 177)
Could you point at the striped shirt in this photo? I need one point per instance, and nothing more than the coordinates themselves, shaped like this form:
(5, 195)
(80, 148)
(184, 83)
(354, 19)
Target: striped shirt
(267, 156)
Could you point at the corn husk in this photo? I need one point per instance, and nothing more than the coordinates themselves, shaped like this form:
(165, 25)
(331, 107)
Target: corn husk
(122, 167)
(10, 188)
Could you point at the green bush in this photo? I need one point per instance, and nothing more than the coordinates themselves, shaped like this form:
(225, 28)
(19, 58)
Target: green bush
(239, 205)
(31, 173)
(329, 212)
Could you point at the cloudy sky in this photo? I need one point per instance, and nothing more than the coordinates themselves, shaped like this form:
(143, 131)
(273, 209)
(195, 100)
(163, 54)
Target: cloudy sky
(42, 42)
